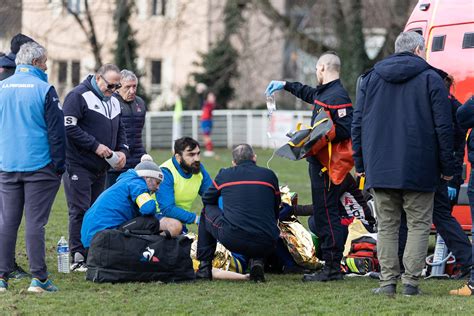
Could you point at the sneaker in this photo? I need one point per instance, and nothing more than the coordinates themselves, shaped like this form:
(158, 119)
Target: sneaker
(410, 290)
(36, 286)
(256, 270)
(3, 285)
(324, 275)
(19, 273)
(466, 290)
(389, 290)
(79, 263)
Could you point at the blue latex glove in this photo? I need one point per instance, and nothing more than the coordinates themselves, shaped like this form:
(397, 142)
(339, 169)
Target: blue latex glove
(452, 193)
(274, 86)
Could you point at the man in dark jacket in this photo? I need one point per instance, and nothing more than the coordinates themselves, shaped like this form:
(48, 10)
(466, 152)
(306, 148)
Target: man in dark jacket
(330, 96)
(94, 132)
(465, 117)
(403, 142)
(133, 118)
(247, 224)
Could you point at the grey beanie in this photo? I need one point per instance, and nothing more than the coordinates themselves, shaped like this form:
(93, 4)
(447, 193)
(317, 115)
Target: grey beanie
(147, 168)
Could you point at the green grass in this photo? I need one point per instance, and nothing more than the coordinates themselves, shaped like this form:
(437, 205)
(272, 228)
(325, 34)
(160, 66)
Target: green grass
(285, 295)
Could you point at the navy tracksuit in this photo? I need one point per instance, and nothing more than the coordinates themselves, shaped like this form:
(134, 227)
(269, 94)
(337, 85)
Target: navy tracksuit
(90, 120)
(446, 225)
(326, 195)
(248, 222)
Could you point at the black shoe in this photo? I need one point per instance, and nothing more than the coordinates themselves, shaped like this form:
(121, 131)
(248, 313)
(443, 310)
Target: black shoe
(324, 275)
(295, 270)
(410, 290)
(205, 271)
(18, 273)
(257, 270)
(389, 290)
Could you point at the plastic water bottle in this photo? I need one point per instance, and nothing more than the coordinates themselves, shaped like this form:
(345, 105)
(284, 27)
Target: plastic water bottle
(112, 159)
(63, 255)
(271, 105)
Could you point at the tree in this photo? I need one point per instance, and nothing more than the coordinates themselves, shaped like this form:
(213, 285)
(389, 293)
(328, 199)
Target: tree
(86, 23)
(219, 65)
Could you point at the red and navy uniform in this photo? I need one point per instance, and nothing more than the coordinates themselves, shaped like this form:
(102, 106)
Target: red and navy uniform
(248, 222)
(333, 98)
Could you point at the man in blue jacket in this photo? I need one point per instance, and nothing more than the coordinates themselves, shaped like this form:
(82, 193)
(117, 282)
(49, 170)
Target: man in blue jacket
(32, 155)
(403, 142)
(247, 224)
(94, 132)
(133, 110)
(128, 198)
(330, 96)
(465, 117)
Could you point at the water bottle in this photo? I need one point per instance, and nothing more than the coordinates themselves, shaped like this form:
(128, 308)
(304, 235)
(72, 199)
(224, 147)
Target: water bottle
(112, 159)
(63, 255)
(271, 105)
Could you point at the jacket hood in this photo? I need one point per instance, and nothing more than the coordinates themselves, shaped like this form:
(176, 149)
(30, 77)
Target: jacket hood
(401, 67)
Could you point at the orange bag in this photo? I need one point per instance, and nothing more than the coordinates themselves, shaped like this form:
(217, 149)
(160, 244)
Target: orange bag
(337, 159)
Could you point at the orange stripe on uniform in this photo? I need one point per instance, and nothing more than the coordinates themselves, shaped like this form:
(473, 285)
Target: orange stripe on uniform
(330, 106)
(229, 184)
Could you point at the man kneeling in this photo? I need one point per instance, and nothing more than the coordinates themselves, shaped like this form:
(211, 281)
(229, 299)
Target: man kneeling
(128, 198)
(248, 222)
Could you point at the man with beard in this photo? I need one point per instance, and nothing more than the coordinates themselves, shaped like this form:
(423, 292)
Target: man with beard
(184, 178)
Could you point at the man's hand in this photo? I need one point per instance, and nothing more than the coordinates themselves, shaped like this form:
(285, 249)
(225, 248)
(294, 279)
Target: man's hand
(121, 162)
(103, 151)
(360, 174)
(274, 86)
(452, 193)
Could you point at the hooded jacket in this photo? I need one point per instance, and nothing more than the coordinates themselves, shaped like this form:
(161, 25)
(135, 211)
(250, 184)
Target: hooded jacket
(91, 120)
(402, 132)
(465, 117)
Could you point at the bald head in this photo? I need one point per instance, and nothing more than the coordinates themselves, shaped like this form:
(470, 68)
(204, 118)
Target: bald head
(328, 67)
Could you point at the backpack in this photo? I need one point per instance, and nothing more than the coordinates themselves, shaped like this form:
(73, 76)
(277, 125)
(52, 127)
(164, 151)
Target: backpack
(362, 257)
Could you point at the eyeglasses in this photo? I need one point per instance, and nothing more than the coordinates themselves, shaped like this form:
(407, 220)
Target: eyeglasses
(111, 86)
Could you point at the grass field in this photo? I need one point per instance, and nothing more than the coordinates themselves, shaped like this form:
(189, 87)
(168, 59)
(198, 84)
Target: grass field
(280, 295)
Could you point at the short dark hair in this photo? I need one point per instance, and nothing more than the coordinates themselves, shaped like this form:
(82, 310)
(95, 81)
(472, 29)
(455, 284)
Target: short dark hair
(105, 68)
(19, 40)
(182, 143)
(242, 152)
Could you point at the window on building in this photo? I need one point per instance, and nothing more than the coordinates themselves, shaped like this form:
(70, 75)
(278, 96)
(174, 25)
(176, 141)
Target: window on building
(158, 7)
(156, 72)
(75, 72)
(438, 43)
(468, 40)
(62, 72)
(74, 6)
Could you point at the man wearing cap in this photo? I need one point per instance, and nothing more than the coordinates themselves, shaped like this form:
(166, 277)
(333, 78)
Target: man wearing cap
(128, 198)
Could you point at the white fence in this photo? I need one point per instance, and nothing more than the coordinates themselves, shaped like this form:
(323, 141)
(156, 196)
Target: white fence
(230, 127)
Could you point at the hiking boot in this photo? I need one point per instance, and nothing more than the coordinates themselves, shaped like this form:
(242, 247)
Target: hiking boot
(410, 290)
(466, 290)
(257, 270)
(18, 273)
(205, 271)
(36, 286)
(79, 263)
(3, 285)
(324, 275)
(389, 290)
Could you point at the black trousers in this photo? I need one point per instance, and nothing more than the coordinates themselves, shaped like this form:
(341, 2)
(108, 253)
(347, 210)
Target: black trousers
(446, 225)
(82, 188)
(327, 222)
(213, 226)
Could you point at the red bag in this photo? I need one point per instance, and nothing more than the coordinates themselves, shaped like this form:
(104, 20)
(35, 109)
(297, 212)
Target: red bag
(337, 159)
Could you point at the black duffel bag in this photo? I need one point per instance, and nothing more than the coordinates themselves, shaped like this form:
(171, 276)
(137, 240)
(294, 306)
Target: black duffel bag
(123, 256)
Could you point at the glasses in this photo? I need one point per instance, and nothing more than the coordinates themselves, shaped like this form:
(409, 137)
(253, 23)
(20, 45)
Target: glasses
(111, 86)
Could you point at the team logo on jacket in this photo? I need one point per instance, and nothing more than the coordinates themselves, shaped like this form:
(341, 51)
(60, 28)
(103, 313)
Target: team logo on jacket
(149, 256)
(74, 177)
(96, 107)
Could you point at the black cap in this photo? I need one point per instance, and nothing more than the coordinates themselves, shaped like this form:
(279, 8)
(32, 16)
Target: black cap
(19, 40)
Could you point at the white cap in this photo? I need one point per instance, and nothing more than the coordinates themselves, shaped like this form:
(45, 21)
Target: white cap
(147, 168)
